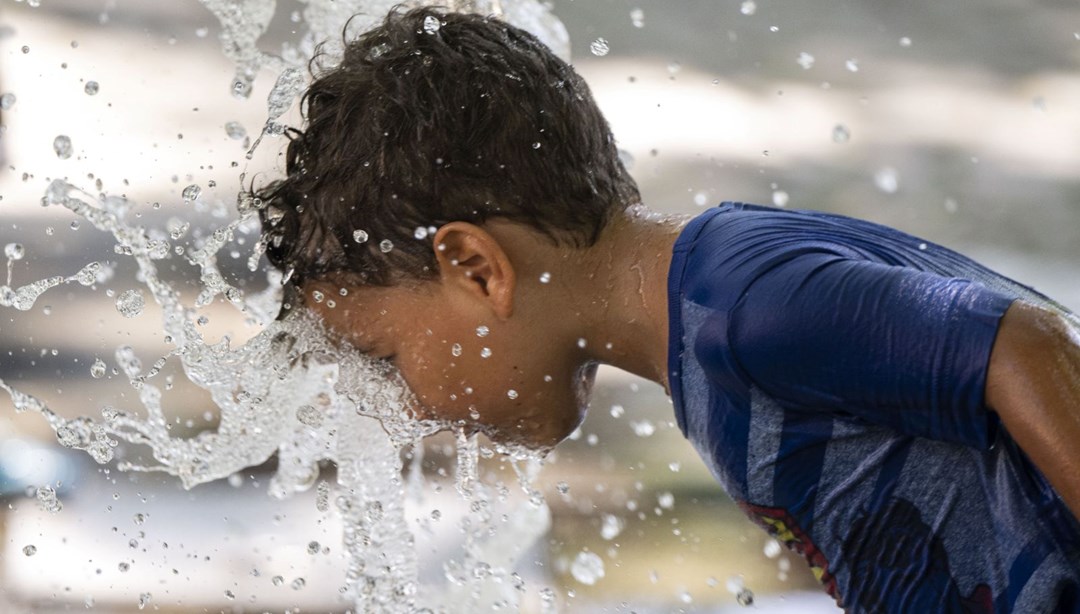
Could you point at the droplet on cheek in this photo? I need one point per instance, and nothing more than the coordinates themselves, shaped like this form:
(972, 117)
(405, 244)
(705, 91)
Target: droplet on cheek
(512, 393)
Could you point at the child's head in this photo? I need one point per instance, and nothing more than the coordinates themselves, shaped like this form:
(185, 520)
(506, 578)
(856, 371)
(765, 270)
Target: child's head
(442, 158)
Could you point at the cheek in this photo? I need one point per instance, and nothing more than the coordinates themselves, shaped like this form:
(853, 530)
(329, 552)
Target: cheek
(444, 378)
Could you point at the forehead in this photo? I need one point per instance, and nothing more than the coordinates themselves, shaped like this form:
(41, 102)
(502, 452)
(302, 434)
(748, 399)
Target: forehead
(367, 311)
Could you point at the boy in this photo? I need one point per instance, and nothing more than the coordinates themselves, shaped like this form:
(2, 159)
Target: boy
(883, 406)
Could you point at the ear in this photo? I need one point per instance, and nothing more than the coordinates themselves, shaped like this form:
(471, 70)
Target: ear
(472, 261)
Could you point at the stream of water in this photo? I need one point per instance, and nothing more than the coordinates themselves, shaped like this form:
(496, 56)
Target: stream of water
(291, 391)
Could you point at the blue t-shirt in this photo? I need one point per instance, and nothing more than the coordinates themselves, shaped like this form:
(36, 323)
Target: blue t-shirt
(831, 373)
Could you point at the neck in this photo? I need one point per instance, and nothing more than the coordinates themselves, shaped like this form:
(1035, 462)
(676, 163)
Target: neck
(623, 283)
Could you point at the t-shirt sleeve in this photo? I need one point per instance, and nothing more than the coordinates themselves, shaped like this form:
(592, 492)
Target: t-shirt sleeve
(892, 345)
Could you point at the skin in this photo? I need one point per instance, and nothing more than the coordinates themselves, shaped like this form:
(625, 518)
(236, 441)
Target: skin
(613, 296)
(1033, 384)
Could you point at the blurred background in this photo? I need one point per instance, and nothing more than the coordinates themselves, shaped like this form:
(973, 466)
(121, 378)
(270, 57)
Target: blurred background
(952, 120)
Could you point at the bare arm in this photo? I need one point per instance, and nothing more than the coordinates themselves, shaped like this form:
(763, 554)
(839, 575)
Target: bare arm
(1033, 384)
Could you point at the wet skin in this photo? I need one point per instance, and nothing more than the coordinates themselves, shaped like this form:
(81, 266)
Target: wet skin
(603, 304)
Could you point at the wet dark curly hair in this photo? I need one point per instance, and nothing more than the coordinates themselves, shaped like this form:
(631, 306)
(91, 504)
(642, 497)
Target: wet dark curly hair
(418, 127)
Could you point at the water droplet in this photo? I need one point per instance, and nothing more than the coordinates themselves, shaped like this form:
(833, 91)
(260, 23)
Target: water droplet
(600, 47)
(805, 60)
(852, 65)
(97, 370)
(310, 416)
(138, 518)
(298, 584)
(666, 500)
(277, 580)
(485, 352)
(644, 428)
(420, 233)
(745, 598)
(512, 393)
(547, 595)
(62, 147)
(905, 41)
(887, 180)
(701, 199)
(748, 7)
(386, 245)
(431, 24)
(545, 277)
(29, 550)
(637, 17)
(360, 236)
(735, 584)
(536, 145)
(229, 595)
(456, 349)
(26, 49)
(840, 134)
(235, 130)
(772, 548)
(14, 251)
(922, 247)
(562, 487)
(144, 600)
(123, 567)
(587, 568)
(313, 547)
(46, 497)
(91, 88)
(130, 303)
(7, 101)
(611, 526)
(780, 198)
(581, 342)
(482, 331)
(191, 193)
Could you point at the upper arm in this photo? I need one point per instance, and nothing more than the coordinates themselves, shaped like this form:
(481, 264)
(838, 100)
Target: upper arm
(1033, 384)
(896, 346)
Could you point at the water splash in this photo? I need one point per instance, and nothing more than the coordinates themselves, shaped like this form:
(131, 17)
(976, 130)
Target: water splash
(295, 392)
(290, 391)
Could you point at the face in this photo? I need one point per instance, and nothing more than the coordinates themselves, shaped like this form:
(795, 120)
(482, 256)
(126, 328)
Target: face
(467, 344)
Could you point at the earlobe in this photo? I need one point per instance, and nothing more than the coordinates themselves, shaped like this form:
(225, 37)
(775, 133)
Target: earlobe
(472, 260)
